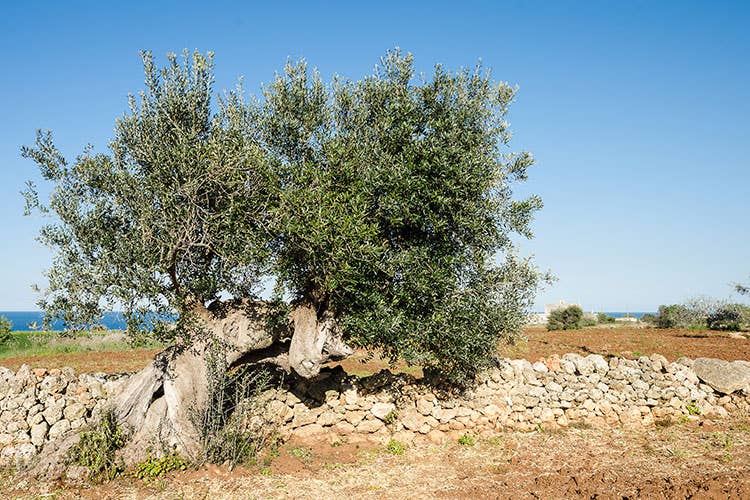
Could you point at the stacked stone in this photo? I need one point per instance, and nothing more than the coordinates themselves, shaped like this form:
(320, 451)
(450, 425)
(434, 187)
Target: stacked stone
(38, 405)
(515, 395)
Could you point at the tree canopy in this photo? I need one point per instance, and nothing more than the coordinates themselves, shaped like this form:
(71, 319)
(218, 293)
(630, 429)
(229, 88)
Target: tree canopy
(384, 204)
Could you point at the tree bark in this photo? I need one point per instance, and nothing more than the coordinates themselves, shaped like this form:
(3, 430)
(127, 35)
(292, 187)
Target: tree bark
(316, 340)
(159, 404)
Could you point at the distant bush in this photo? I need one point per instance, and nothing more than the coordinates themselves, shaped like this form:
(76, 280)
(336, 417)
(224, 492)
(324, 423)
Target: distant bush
(589, 321)
(675, 316)
(727, 319)
(603, 318)
(568, 318)
(732, 317)
(649, 318)
(6, 326)
(702, 313)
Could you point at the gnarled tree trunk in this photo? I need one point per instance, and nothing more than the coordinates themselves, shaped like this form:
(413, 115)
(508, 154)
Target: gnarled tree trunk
(160, 404)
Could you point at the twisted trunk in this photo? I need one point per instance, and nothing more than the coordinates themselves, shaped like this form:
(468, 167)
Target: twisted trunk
(160, 404)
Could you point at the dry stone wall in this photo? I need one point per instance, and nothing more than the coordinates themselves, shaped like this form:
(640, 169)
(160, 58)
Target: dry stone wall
(39, 405)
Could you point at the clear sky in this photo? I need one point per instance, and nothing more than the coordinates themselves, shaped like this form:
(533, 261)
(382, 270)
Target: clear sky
(637, 113)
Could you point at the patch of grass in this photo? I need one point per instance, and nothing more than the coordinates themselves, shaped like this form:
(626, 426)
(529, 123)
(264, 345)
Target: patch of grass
(53, 343)
(152, 468)
(395, 447)
(468, 439)
(692, 408)
(97, 448)
(302, 453)
(723, 440)
(391, 417)
(494, 441)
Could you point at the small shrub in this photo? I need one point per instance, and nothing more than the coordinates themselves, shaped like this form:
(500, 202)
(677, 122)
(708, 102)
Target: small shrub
(154, 467)
(304, 454)
(728, 319)
(391, 417)
(675, 316)
(650, 319)
(395, 447)
(6, 326)
(230, 430)
(467, 439)
(96, 449)
(568, 318)
(588, 321)
(692, 408)
(603, 318)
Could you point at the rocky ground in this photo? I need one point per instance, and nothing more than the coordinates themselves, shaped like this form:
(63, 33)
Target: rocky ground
(697, 458)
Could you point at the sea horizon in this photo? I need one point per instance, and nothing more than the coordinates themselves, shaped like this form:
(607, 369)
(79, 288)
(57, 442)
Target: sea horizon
(23, 321)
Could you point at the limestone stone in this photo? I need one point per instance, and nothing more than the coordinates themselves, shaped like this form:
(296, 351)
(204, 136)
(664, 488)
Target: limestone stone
(355, 417)
(424, 406)
(382, 410)
(343, 428)
(328, 418)
(369, 426)
(58, 429)
(39, 433)
(308, 430)
(74, 411)
(723, 376)
(412, 420)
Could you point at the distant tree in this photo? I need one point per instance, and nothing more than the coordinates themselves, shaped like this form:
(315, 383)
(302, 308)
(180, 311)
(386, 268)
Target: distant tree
(382, 210)
(674, 316)
(651, 319)
(568, 318)
(727, 318)
(605, 318)
(6, 326)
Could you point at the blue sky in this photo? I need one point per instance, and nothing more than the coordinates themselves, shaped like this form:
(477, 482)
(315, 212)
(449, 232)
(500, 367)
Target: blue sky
(637, 113)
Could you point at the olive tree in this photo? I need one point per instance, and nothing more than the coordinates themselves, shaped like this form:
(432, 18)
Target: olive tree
(380, 210)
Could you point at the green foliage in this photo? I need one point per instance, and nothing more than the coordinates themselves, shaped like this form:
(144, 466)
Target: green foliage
(228, 431)
(391, 417)
(303, 453)
(154, 467)
(603, 318)
(692, 408)
(567, 318)
(731, 317)
(651, 319)
(97, 447)
(726, 319)
(395, 447)
(675, 316)
(6, 326)
(588, 321)
(468, 439)
(386, 202)
(703, 313)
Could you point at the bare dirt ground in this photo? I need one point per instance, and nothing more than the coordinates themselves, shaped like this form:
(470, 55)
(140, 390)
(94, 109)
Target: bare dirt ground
(626, 341)
(695, 459)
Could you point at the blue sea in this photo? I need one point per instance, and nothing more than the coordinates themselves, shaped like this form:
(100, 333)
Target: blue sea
(23, 320)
